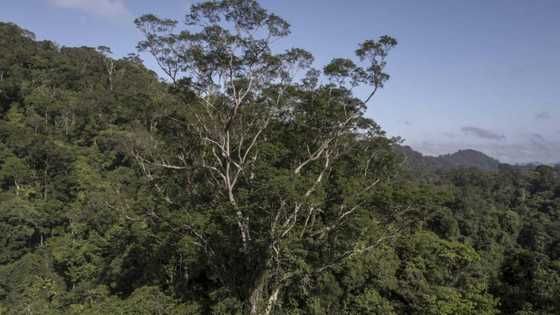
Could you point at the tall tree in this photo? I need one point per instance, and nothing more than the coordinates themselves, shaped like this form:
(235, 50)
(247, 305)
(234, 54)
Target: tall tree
(292, 163)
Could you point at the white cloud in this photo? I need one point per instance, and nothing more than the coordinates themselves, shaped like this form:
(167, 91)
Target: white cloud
(106, 8)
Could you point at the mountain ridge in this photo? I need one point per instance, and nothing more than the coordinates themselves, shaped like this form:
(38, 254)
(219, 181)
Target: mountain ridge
(464, 158)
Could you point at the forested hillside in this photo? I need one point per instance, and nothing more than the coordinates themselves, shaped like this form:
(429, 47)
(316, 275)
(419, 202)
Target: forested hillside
(416, 161)
(247, 182)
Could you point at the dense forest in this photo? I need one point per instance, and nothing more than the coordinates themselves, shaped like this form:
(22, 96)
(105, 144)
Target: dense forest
(247, 182)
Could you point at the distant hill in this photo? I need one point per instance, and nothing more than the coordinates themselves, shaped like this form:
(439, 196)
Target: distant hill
(460, 159)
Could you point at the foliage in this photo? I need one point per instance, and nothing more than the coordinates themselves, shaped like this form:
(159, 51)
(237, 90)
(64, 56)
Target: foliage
(247, 183)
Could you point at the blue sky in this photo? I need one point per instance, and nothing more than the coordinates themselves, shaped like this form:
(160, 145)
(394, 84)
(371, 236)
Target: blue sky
(466, 74)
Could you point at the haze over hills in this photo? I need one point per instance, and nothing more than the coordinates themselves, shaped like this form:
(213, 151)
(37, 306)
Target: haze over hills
(464, 158)
(467, 158)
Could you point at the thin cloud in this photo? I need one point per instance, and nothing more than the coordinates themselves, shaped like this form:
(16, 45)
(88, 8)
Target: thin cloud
(537, 137)
(540, 144)
(105, 8)
(543, 116)
(482, 133)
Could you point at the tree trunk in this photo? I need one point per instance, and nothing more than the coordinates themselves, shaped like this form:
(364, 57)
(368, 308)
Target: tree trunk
(45, 178)
(264, 295)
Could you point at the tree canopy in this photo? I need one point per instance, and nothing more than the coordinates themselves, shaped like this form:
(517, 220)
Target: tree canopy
(249, 181)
